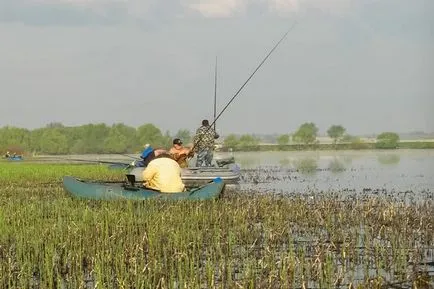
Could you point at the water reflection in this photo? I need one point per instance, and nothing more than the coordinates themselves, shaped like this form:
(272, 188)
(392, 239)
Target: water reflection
(337, 165)
(389, 159)
(249, 162)
(306, 166)
(285, 162)
(347, 160)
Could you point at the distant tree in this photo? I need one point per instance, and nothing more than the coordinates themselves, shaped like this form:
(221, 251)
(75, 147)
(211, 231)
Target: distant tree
(166, 141)
(231, 141)
(116, 142)
(347, 138)
(306, 133)
(336, 132)
(150, 134)
(54, 142)
(128, 133)
(184, 135)
(248, 142)
(283, 140)
(14, 137)
(357, 143)
(387, 140)
(55, 125)
(93, 137)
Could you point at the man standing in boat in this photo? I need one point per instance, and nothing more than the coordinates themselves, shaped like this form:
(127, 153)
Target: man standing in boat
(204, 142)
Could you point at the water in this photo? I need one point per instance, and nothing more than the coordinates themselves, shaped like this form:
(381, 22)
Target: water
(402, 174)
(395, 171)
(356, 171)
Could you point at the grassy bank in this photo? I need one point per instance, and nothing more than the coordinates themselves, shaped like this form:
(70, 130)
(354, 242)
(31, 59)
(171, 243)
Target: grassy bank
(49, 240)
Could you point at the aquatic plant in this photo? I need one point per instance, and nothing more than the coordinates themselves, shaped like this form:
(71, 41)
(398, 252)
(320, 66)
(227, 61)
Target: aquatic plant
(245, 240)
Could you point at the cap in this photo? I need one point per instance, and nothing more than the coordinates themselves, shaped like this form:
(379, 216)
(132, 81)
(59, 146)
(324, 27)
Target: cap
(177, 141)
(146, 152)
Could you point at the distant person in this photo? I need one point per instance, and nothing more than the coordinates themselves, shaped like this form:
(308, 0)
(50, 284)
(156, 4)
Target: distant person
(180, 153)
(148, 154)
(163, 174)
(8, 154)
(204, 144)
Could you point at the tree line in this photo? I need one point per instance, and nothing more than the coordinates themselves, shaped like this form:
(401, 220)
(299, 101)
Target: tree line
(307, 136)
(55, 138)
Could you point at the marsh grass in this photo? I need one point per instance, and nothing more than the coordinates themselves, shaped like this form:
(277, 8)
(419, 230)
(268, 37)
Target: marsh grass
(50, 240)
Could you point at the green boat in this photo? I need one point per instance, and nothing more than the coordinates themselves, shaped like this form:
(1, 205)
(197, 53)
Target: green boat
(105, 191)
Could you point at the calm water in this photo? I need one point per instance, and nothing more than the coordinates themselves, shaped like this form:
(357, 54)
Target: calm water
(353, 171)
(400, 171)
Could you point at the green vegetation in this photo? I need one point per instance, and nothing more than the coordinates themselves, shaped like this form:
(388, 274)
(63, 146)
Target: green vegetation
(387, 140)
(243, 143)
(49, 240)
(306, 133)
(336, 132)
(86, 139)
(119, 138)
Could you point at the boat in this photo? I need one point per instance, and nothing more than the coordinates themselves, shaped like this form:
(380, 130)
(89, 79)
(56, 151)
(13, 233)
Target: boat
(197, 176)
(15, 158)
(108, 191)
(191, 176)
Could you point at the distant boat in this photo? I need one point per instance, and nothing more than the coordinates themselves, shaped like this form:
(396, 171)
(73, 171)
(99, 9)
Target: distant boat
(15, 158)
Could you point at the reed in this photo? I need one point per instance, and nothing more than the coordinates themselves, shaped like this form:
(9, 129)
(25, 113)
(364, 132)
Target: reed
(50, 240)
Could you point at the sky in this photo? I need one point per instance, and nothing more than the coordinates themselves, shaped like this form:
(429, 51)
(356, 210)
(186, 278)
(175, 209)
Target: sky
(365, 64)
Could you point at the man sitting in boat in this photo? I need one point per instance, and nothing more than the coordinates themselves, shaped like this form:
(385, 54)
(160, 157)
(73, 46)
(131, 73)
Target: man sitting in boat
(163, 174)
(204, 142)
(180, 153)
(148, 154)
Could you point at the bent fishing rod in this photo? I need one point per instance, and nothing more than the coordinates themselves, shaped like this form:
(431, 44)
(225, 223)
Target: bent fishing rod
(215, 92)
(245, 83)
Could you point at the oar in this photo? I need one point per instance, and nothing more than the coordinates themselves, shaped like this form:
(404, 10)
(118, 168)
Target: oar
(203, 186)
(97, 161)
(87, 181)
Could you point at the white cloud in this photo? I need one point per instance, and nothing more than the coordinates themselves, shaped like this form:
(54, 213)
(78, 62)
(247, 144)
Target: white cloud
(216, 8)
(213, 8)
(227, 8)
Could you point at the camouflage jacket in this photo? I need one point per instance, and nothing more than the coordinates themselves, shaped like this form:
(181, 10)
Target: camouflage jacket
(204, 138)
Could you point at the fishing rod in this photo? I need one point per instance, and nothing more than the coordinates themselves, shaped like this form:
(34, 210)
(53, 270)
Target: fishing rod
(215, 92)
(134, 158)
(245, 83)
(96, 161)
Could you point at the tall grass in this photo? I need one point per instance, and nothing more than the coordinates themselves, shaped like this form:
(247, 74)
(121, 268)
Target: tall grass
(50, 240)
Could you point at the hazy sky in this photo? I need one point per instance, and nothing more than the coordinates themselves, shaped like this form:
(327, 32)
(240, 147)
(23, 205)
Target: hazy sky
(365, 64)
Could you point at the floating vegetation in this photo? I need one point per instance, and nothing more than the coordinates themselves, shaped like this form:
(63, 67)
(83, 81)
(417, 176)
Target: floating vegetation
(244, 240)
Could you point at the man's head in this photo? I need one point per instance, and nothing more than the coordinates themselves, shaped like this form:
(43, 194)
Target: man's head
(177, 141)
(205, 122)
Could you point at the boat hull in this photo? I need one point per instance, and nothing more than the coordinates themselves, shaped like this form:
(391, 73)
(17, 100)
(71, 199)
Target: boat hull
(198, 176)
(102, 191)
(14, 159)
